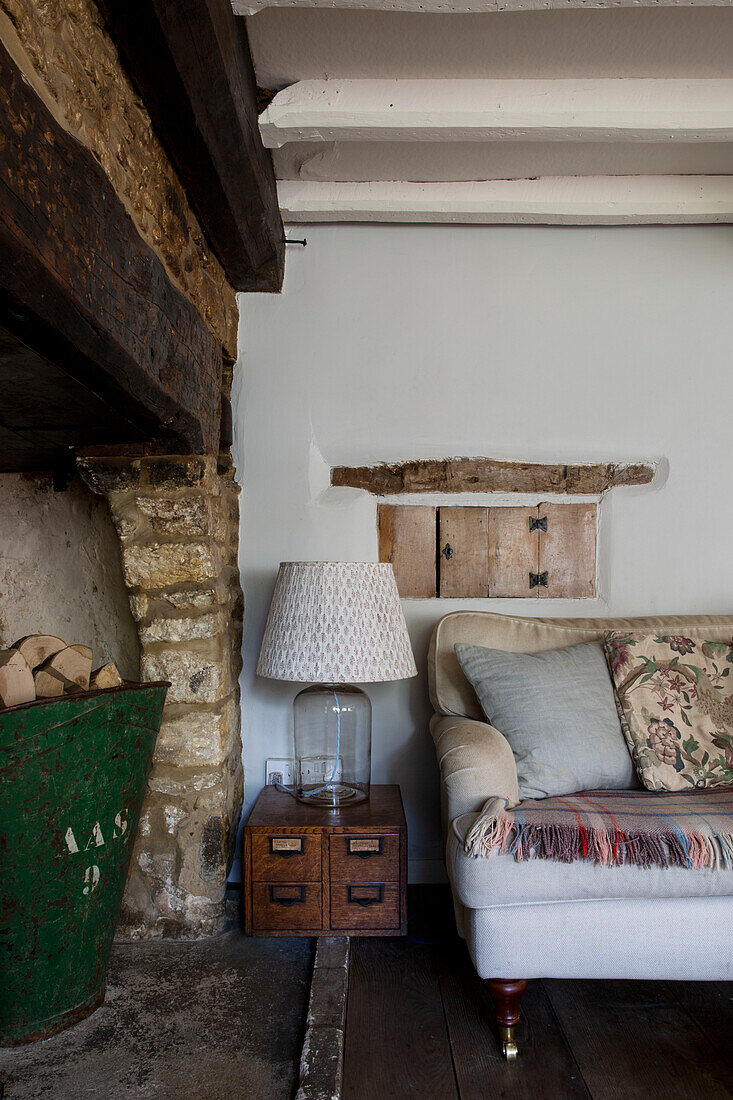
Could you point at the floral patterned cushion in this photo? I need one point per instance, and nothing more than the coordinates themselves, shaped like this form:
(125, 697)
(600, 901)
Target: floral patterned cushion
(675, 701)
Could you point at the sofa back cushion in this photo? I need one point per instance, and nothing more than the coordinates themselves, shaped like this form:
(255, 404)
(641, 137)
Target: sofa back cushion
(558, 713)
(450, 691)
(675, 696)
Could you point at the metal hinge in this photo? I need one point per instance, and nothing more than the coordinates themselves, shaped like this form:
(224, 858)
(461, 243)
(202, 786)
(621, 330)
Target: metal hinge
(538, 580)
(536, 524)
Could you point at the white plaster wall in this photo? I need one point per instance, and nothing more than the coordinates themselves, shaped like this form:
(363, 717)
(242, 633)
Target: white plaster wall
(533, 343)
(60, 570)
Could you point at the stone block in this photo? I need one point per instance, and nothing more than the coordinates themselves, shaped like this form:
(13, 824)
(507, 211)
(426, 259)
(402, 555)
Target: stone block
(235, 785)
(332, 952)
(198, 738)
(230, 556)
(156, 908)
(225, 466)
(237, 602)
(194, 677)
(220, 529)
(321, 1064)
(110, 475)
(177, 881)
(189, 784)
(179, 472)
(233, 516)
(126, 516)
(204, 857)
(194, 599)
(213, 848)
(163, 565)
(189, 515)
(126, 528)
(139, 606)
(184, 629)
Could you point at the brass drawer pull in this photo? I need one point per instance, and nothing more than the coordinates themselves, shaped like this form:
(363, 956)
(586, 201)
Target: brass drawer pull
(364, 846)
(287, 899)
(352, 898)
(286, 846)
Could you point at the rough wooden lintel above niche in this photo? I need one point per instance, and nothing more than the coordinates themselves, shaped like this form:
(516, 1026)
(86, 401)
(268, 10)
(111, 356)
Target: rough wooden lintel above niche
(491, 475)
(537, 551)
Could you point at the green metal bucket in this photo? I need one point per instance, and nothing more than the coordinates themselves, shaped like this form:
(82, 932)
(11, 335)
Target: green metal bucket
(73, 773)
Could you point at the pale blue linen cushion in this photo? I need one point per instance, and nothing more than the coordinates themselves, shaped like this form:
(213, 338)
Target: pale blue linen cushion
(558, 713)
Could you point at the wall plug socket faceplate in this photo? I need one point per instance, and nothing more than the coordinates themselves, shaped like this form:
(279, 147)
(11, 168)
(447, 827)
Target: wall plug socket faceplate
(279, 770)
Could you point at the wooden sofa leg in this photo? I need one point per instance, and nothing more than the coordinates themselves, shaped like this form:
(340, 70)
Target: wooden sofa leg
(506, 994)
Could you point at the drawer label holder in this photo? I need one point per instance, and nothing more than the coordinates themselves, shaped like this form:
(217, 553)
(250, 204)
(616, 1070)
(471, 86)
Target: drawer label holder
(286, 845)
(364, 846)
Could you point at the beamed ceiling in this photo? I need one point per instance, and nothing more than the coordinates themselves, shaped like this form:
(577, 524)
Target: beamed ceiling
(518, 111)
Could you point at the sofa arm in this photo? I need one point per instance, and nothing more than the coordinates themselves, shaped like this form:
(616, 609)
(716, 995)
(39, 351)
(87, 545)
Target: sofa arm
(476, 762)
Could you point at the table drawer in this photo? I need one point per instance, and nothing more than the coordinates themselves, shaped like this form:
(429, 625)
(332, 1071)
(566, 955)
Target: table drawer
(286, 857)
(285, 906)
(367, 858)
(365, 905)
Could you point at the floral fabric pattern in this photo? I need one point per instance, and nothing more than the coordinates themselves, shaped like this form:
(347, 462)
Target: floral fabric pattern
(675, 702)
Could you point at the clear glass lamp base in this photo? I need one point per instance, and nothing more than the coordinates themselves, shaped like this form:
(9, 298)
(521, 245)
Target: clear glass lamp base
(335, 796)
(333, 737)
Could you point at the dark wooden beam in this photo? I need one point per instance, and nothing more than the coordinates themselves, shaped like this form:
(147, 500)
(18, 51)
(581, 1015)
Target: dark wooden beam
(80, 287)
(191, 63)
(45, 414)
(491, 475)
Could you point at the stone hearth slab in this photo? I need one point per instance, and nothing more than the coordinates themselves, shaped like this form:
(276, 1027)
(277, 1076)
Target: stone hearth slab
(191, 1020)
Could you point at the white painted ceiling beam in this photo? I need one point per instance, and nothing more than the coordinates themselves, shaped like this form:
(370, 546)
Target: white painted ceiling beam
(558, 200)
(438, 162)
(250, 7)
(489, 110)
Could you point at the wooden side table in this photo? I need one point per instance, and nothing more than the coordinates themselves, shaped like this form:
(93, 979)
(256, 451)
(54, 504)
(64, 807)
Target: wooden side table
(310, 871)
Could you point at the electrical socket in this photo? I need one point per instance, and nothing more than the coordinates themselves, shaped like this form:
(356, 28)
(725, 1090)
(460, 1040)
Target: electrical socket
(320, 769)
(279, 770)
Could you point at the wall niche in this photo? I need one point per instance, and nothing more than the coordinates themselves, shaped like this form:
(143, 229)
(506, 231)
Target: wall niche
(537, 551)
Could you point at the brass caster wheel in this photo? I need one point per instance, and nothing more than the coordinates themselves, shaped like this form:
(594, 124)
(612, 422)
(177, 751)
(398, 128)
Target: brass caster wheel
(509, 1050)
(508, 1045)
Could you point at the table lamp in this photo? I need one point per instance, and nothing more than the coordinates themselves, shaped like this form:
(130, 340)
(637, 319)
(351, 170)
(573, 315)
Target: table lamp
(338, 624)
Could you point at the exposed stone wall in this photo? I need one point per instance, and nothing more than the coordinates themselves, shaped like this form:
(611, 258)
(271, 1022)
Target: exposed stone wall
(177, 519)
(63, 48)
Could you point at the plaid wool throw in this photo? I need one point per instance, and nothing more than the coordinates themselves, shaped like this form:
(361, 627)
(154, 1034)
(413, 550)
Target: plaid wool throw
(690, 829)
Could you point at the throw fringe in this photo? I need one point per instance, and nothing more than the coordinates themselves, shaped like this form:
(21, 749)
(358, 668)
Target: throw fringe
(490, 829)
(497, 829)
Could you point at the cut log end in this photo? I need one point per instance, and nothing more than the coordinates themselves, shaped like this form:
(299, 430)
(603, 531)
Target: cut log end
(42, 666)
(73, 665)
(37, 648)
(16, 679)
(106, 676)
(48, 684)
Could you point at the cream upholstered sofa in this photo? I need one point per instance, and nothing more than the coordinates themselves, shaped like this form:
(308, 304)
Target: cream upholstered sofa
(541, 918)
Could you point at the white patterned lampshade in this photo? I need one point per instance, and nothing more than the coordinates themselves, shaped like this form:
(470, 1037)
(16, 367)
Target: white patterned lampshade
(336, 622)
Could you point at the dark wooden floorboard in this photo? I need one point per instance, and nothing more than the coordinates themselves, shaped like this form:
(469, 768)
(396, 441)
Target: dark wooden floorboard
(420, 1027)
(633, 1041)
(711, 1006)
(545, 1068)
(396, 1039)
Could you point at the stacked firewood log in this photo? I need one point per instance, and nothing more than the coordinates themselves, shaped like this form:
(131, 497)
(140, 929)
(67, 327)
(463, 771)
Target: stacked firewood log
(42, 666)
